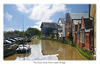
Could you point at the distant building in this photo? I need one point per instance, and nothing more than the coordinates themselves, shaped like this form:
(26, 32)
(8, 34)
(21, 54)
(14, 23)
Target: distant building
(61, 28)
(47, 28)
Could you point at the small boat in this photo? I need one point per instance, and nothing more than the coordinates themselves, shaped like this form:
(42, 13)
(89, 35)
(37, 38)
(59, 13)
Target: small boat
(23, 49)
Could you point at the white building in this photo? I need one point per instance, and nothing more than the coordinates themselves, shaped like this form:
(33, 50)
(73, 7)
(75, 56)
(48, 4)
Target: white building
(61, 27)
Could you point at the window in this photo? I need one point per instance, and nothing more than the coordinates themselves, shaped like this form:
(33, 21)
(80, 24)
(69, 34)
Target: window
(82, 36)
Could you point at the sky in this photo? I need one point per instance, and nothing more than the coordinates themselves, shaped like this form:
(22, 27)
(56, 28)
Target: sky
(35, 14)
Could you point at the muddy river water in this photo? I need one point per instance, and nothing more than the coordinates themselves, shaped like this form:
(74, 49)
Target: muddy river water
(48, 50)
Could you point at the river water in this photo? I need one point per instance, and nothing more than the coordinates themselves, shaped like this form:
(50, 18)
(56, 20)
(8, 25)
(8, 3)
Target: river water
(48, 50)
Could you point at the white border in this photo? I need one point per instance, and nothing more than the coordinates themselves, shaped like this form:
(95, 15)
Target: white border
(68, 63)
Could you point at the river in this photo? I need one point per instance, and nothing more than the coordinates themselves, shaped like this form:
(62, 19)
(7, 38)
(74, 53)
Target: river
(48, 50)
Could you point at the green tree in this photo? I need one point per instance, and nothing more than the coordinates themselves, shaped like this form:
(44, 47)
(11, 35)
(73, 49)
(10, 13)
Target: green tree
(70, 37)
(32, 32)
(20, 34)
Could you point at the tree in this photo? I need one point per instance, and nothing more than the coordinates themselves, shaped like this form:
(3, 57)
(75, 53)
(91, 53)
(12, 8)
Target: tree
(32, 32)
(20, 34)
(70, 37)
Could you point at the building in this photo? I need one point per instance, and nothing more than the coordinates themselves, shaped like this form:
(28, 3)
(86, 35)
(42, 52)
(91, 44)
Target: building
(78, 34)
(61, 28)
(68, 25)
(93, 18)
(76, 18)
(86, 33)
(47, 28)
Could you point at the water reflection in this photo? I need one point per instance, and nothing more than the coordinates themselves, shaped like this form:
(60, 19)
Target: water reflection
(35, 41)
(48, 50)
(17, 56)
(49, 47)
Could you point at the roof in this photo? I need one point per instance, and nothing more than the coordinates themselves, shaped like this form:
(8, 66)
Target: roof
(88, 23)
(79, 15)
(77, 21)
(62, 20)
(48, 24)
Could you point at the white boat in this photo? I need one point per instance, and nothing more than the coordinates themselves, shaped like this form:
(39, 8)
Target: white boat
(23, 49)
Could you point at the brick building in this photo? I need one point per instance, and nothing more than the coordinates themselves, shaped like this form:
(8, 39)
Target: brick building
(86, 33)
(68, 25)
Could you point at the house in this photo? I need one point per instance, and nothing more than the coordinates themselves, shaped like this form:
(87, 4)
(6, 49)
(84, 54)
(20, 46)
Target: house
(86, 33)
(61, 28)
(47, 28)
(68, 25)
(76, 18)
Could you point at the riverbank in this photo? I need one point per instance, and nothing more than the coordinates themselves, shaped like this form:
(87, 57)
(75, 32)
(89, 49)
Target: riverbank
(85, 54)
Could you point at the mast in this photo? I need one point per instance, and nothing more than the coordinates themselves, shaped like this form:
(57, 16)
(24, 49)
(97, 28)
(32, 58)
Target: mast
(23, 30)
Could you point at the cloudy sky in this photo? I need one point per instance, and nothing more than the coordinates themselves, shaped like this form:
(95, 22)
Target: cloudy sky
(35, 14)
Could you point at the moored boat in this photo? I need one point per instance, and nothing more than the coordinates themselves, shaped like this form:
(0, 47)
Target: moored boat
(23, 49)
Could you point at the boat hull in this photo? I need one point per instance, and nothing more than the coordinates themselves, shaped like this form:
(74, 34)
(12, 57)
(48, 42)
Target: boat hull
(23, 51)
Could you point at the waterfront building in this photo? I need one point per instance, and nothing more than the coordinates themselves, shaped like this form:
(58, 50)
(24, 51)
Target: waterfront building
(76, 18)
(68, 25)
(86, 33)
(47, 28)
(61, 28)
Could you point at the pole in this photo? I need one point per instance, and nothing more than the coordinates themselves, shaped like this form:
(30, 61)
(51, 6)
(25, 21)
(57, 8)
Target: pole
(23, 30)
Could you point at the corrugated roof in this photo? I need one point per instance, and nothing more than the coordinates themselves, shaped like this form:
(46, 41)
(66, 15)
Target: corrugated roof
(79, 15)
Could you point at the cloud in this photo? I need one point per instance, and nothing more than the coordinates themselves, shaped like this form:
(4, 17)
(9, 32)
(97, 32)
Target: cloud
(22, 8)
(8, 16)
(42, 12)
(11, 29)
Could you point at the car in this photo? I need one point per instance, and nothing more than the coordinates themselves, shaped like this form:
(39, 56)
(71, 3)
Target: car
(12, 40)
(7, 42)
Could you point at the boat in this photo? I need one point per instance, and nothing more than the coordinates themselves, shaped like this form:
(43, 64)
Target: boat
(23, 48)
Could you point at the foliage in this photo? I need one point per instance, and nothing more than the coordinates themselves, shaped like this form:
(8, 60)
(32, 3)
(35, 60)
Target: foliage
(28, 33)
(89, 56)
(70, 36)
(52, 36)
(32, 32)
(20, 34)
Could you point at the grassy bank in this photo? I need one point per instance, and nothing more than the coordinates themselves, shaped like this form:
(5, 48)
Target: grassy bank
(87, 55)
